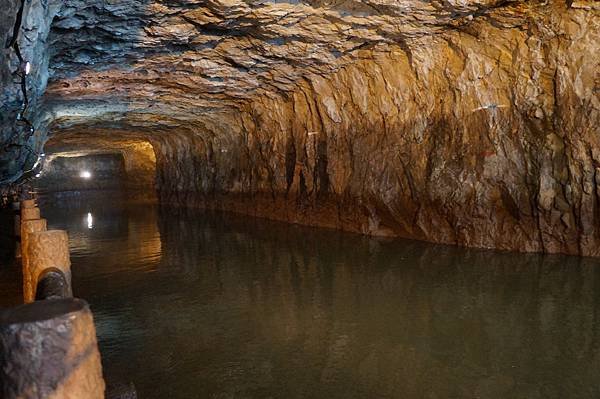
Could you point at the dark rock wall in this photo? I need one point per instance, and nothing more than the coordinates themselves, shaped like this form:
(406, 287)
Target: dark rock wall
(10, 96)
(19, 145)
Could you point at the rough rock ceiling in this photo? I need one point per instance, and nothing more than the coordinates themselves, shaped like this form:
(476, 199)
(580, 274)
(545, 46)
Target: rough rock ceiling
(194, 64)
(164, 62)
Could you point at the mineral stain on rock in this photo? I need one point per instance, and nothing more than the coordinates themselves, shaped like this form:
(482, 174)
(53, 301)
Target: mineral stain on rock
(474, 122)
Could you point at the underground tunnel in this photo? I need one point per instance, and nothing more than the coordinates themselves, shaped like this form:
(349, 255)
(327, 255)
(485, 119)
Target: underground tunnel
(300, 199)
(77, 163)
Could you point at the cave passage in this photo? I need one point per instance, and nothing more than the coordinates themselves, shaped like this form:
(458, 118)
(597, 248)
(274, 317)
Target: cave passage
(240, 181)
(83, 172)
(76, 164)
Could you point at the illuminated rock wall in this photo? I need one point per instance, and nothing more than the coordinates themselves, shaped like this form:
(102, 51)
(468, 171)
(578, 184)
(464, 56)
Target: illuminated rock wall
(463, 122)
(486, 136)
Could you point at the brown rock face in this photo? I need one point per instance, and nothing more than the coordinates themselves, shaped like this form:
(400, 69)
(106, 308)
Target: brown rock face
(464, 122)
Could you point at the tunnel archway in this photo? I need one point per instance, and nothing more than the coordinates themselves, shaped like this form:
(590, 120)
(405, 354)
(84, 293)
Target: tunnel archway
(75, 161)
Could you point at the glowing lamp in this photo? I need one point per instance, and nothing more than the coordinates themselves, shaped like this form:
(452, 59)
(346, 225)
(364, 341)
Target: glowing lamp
(85, 174)
(26, 67)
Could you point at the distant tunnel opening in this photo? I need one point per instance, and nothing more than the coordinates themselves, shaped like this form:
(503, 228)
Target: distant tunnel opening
(84, 172)
(74, 164)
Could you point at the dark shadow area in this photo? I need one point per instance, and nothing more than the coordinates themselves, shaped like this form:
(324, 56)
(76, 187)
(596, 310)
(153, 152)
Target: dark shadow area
(11, 293)
(7, 237)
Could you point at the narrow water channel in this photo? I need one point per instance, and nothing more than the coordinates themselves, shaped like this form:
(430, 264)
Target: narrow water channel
(190, 304)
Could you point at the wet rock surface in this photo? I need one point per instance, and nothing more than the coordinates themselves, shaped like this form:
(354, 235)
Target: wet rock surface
(472, 122)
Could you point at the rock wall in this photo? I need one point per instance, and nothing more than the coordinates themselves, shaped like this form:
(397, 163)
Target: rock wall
(28, 23)
(486, 136)
(464, 122)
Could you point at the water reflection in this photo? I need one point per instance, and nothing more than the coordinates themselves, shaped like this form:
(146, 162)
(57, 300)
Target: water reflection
(199, 305)
(90, 220)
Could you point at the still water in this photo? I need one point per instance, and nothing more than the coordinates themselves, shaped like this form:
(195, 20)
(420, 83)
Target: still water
(202, 305)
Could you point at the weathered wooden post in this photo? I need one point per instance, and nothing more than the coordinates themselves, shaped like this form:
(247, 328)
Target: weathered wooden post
(26, 214)
(29, 203)
(28, 227)
(48, 349)
(48, 249)
(30, 214)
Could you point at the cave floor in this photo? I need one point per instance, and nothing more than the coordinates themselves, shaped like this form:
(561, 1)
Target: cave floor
(191, 304)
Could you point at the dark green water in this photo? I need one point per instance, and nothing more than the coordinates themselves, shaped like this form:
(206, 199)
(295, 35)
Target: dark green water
(196, 305)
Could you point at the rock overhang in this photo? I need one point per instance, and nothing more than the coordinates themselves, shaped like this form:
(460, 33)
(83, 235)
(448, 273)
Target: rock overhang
(190, 59)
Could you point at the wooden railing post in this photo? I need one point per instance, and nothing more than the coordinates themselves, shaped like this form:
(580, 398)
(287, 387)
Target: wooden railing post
(30, 214)
(48, 249)
(28, 227)
(48, 349)
(29, 203)
(25, 214)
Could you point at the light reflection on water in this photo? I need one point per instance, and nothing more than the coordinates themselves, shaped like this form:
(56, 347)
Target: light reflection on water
(198, 305)
(89, 219)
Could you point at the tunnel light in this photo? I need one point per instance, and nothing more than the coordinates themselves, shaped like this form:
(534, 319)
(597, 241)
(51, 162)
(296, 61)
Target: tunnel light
(25, 67)
(37, 162)
(85, 174)
(90, 221)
